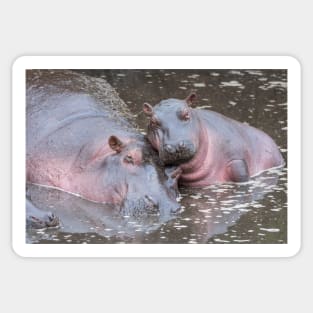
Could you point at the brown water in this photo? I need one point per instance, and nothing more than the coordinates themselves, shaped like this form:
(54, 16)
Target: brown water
(254, 212)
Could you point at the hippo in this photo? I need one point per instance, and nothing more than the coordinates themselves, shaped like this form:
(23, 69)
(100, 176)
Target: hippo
(81, 139)
(207, 146)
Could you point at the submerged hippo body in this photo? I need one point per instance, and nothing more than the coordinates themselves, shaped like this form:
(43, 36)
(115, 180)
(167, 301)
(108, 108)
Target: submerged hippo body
(209, 147)
(80, 138)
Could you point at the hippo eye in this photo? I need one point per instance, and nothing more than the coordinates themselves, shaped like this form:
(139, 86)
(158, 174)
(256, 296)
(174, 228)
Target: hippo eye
(129, 159)
(185, 115)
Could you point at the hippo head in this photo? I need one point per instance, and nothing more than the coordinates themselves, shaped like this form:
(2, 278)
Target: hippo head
(173, 129)
(140, 184)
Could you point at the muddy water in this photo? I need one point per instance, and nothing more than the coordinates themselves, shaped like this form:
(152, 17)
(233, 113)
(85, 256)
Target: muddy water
(254, 212)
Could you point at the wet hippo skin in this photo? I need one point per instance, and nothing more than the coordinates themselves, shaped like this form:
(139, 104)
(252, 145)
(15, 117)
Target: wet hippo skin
(208, 147)
(81, 139)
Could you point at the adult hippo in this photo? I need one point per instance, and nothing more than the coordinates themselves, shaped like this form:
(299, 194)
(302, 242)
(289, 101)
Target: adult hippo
(80, 138)
(209, 147)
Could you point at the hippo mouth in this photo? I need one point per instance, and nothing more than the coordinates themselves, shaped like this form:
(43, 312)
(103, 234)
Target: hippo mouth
(139, 207)
(147, 206)
(174, 160)
(178, 155)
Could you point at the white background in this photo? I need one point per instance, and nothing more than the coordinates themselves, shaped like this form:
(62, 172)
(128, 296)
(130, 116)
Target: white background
(146, 28)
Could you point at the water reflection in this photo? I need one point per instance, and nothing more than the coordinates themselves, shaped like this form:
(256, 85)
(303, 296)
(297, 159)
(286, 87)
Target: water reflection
(80, 216)
(254, 212)
(207, 213)
(214, 210)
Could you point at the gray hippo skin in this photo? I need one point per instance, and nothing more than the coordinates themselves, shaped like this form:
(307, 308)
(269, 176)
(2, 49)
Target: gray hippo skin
(80, 138)
(209, 147)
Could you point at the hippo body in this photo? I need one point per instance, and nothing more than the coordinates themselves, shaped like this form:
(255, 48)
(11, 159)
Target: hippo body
(209, 147)
(80, 138)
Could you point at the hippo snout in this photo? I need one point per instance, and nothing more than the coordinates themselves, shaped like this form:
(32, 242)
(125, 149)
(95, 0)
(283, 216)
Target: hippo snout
(170, 149)
(177, 153)
(175, 208)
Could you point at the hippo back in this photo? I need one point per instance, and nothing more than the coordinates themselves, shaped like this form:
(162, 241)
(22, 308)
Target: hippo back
(69, 118)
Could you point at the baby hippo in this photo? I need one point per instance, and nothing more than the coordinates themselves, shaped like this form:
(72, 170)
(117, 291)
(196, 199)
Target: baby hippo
(208, 147)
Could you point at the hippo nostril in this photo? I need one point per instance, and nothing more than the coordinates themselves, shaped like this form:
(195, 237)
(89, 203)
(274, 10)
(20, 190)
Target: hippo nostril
(182, 145)
(169, 149)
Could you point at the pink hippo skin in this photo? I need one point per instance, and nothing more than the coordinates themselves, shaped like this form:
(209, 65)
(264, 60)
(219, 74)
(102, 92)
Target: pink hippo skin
(79, 140)
(209, 147)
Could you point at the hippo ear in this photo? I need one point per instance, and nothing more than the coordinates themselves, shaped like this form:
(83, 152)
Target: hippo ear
(191, 99)
(147, 109)
(115, 144)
